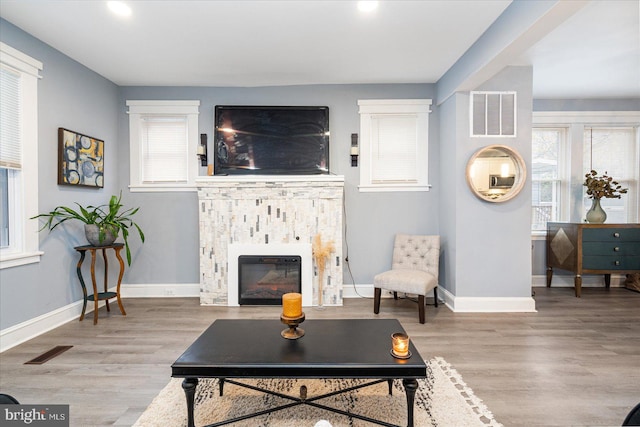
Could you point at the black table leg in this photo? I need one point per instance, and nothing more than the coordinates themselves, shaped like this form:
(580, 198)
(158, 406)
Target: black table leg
(410, 387)
(221, 386)
(390, 383)
(189, 387)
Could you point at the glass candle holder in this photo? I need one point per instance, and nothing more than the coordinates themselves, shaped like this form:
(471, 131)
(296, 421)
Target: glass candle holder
(400, 345)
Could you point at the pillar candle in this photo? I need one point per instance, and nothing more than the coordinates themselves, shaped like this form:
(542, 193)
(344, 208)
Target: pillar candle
(292, 305)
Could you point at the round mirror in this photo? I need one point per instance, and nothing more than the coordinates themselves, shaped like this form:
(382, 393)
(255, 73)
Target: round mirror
(496, 173)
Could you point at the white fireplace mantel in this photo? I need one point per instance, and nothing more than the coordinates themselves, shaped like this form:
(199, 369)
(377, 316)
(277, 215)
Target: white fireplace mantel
(279, 212)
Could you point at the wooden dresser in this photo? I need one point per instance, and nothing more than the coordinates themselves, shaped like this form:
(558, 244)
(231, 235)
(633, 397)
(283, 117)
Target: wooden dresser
(584, 248)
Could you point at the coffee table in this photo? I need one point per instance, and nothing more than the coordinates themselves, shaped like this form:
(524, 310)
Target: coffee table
(346, 348)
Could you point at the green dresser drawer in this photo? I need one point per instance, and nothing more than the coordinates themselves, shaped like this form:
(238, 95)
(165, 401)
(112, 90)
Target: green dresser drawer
(611, 235)
(621, 263)
(611, 248)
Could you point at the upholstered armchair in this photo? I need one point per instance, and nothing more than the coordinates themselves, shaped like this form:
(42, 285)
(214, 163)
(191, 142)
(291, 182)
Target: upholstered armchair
(414, 270)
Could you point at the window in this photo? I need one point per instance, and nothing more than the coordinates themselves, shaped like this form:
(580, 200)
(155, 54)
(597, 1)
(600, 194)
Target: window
(19, 75)
(394, 139)
(614, 150)
(493, 114)
(549, 182)
(163, 145)
(567, 145)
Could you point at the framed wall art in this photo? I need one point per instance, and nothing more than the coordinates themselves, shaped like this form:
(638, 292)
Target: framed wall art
(80, 159)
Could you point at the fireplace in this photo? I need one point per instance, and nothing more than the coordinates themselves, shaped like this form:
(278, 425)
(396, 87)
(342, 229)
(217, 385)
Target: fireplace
(278, 259)
(262, 280)
(265, 216)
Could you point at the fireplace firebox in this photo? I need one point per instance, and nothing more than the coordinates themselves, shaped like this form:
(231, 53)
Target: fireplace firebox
(263, 279)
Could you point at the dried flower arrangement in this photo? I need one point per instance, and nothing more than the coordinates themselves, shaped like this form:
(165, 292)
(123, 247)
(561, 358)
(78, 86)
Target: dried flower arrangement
(602, 186)
(320, 254)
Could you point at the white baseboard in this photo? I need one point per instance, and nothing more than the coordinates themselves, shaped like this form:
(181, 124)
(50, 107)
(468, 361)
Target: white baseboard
(457, 304)
(487, 304)
(17, 334)
(22, 332)
(160, 290)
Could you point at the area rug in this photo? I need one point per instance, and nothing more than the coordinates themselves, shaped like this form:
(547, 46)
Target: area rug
(442, 400)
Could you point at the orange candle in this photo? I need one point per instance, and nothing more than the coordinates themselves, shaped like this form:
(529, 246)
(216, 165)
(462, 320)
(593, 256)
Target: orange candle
(400, 344)
(292, 305)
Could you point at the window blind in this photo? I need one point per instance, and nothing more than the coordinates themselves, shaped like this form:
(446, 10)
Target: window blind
(164, 149)
(10, 119)
(394, 147)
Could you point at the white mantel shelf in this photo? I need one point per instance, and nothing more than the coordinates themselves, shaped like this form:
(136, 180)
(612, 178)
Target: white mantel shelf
(284, 179)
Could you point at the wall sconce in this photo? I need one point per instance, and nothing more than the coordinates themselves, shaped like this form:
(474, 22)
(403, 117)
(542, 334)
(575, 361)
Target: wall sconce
(354, 150)
(202, 149)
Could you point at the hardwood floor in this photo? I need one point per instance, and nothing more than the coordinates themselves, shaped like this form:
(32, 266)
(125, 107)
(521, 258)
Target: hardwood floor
(574, 362)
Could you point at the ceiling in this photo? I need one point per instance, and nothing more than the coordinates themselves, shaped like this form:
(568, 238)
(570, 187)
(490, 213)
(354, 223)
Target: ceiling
(593, 54)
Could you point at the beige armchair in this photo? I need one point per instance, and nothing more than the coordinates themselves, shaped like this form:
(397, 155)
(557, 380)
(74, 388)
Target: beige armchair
(414, 270)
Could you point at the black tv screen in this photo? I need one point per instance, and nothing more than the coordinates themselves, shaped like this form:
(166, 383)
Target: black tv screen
(269, 140)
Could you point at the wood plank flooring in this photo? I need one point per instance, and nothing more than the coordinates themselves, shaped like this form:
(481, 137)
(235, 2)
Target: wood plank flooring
(574, 362)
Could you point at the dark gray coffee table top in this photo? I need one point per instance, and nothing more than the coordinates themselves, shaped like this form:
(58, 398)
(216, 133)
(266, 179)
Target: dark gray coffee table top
(345, 348)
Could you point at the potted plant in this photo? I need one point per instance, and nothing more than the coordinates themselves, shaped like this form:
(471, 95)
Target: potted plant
(599, 186)
(102, 223)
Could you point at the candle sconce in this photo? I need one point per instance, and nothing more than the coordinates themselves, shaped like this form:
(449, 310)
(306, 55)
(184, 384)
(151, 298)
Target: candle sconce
(293, 332)
(202, 150)
(355, 152)
(400, 345)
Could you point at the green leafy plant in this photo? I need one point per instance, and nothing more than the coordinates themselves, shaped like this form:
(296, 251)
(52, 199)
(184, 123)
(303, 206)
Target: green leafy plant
(108, 218)
(602, 186)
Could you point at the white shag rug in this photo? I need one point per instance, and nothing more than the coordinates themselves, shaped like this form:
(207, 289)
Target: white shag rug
(442, 400)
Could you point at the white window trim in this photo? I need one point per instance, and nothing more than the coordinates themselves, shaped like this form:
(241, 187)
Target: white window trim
(28, 250)
(139, 108)
(370, 107)
(577, 121)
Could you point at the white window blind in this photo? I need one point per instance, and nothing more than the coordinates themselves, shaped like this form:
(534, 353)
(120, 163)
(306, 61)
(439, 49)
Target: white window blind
(164, 149)
(394, 147)
(394, 144)
(10, 119)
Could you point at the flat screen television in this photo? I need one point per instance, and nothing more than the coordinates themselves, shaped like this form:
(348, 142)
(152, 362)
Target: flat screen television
(271, 140)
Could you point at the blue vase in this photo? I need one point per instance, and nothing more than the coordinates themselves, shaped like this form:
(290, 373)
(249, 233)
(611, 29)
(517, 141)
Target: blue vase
(596, 215)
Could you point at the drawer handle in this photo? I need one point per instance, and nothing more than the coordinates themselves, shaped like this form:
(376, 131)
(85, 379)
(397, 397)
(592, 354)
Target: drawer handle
(616, 234)
(616, 249)
(616, 263)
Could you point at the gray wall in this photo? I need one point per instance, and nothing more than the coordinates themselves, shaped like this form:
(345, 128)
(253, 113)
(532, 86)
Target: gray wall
(488, 244)
(76, 98)
(170, 219)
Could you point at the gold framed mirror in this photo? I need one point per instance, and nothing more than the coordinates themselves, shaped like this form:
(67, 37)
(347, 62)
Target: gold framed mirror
(496, 173)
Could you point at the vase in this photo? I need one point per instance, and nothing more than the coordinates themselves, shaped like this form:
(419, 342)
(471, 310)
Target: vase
(596, 215)
(92, 233)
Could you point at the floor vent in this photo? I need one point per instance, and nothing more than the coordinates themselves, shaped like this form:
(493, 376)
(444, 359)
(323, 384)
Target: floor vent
(45, 357)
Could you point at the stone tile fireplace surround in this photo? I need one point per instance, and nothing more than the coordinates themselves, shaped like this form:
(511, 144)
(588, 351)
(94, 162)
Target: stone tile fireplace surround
(239, 213)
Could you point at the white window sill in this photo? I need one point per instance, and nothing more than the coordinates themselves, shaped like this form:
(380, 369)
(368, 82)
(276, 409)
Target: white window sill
(159, 188)
(17, 259)
(371, 188)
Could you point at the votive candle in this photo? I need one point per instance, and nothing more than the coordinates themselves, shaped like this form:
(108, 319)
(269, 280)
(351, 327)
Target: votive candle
(400, 342)
(292, 305)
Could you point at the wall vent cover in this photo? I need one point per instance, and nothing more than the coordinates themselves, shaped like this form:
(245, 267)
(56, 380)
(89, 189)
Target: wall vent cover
(493, 114)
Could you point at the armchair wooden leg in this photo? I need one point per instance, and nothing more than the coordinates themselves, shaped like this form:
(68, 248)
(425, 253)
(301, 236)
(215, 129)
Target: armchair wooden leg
(377, 292)
(435, 296)
(421, 305)
(395, 296)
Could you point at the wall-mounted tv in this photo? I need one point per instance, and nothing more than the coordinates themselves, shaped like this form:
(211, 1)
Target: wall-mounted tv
(271, 140)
